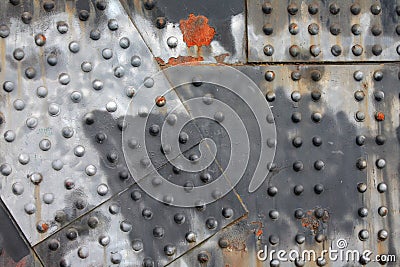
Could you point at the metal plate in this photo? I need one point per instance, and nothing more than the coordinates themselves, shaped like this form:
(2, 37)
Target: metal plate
(64, 95)
(321, 31)
(187, 31)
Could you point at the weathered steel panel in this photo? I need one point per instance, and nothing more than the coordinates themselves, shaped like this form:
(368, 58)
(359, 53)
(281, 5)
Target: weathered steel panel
(321, 31)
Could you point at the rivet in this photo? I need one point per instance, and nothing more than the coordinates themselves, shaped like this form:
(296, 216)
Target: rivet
(18, 54)
(299, 213)
(296, 117)
(69, 184)
(376, 9)
(273, 214)
(313, 28)
(64, 78)
(83, 252)
(23, 159)
(107, 53)
(161, 22)
(293, 28)
(315, 50)
(294, 50)
(158, 232)
(211, 223)
(382, 211)
(227, 213)
(316, 95)
(86, 66)
(112, 25)
(318, 189)
(102, 189)
(223, 243)
(74, 47)
(104, 240)
(52, 59)
(179, 218)
(382, 187)
(298, 190)
(292, 9)
(114, 209)
(361, 163)
(190, 237)
(296, 75)
(90, 170)
(101, 4)
(84, 15)
(358, 75)
(356, 29)
(57, 164)
(160, 101)
(136, 61)
(313, 8)
(116, 258)
(268, 50)
(269, 75)
(268, 29)
(40, 39)
(360, 116)
(149, 4)
(357, 50)
(30, 73)
(300, 238)
(360, 140)
(147, 213)
(26, 17)
(54, 244)
(124, 42)
(319, 165)
(54, 109)
(335, 29)
(95, 34)
(316, 117)
(267, 8)
(298, 166)
(320, 237)
(274, 263)
(376, 30)
(172, 42)
(119, 72)
(17, 188)
(9, 136)
(42, 226)
(378, 75)
(148, 262)
(334, 9)
(336, 50)
(97, 85)
(355, 9)
(4, 31)
(296, 96)
(30, 208)
(273, 239)
(383, 235)
(270, 96)
(125, 226)
(169, 250)
(380, 163)
(359, 95)
(363, 212)
(361, 187)
(321, 261)
(380, 139)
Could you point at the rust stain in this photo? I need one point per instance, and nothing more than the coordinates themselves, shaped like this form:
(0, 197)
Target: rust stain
(310, 222)
(196, 31)
(221, 58)
(380, 116)
(179, 60)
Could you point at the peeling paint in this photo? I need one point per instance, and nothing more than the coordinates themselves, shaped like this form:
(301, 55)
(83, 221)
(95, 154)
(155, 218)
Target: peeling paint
(196, 31)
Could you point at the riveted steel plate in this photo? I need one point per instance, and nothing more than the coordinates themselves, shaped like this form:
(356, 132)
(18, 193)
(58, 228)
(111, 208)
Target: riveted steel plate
(335, 171)
(67, 75)
(132, 229)
(317, 31)
(186, 31)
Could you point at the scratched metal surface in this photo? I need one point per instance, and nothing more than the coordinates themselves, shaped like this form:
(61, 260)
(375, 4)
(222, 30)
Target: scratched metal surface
(69, 69)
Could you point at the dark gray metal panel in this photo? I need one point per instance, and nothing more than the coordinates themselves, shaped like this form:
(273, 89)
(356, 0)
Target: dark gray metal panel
(301, 205)
(318, 31)
(132, 229)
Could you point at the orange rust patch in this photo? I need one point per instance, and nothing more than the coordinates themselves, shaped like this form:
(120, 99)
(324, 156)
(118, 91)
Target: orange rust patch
(196, 31)
(310, 222)
(380, 116)
(179, 60)
(221, 58)
(259, 232)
